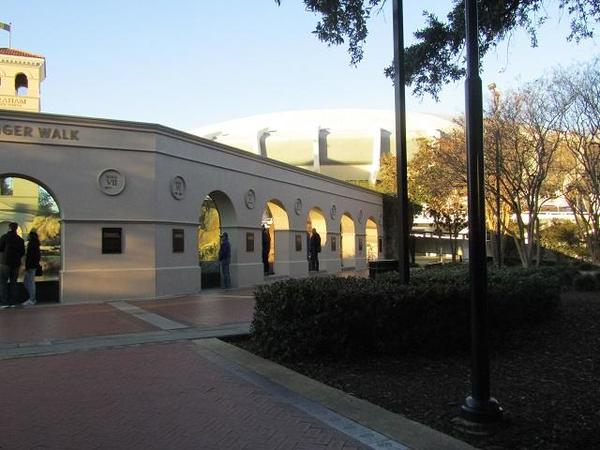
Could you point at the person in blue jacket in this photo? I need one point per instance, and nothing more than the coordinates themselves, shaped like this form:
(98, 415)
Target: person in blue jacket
(225, 260)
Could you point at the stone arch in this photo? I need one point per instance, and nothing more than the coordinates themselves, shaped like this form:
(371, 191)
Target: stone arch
(276, 222)
(217, 214)
(372, 239)
(32, 205)
(347, 240)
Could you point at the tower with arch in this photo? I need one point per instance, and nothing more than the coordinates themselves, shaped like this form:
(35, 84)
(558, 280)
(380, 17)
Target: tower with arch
(21, 75)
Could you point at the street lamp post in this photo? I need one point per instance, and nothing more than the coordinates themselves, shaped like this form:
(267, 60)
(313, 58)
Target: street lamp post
(401, 164)
(479, 407)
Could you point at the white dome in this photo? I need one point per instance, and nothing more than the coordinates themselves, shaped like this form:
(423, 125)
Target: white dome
(343, 143)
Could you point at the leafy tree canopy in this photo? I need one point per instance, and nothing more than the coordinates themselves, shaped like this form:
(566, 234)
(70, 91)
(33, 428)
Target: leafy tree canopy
(438, 57)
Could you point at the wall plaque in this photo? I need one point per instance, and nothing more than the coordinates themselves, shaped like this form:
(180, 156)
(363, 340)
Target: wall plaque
(111, 182)
(112, 241)
(250, 199)
(298, 242)
(298, 206)
(178, 240)
(333, 212)
(249, 242)
(178, 187)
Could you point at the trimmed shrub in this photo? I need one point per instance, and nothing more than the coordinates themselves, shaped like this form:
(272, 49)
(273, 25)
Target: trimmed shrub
(351, 316)
(585, 282)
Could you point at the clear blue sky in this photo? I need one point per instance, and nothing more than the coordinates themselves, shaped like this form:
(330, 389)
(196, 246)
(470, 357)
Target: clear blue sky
(188, 63)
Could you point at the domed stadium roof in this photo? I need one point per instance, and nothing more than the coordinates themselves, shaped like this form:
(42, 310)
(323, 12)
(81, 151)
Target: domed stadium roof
(343, 143)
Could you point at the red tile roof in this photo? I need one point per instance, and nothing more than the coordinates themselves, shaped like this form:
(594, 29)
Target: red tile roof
(16, 52)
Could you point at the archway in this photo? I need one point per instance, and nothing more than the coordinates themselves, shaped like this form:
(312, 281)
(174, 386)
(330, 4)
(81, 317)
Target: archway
(315, 219)
(372, 237)
(31, 205)
(216, 214)
(274, 244)
(347, 240)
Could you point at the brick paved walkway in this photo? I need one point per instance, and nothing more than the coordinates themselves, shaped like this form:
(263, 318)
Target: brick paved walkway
(162, 396)
(41, 323)
(54, 322)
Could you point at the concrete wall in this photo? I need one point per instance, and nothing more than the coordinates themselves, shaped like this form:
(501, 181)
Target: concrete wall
(68, 163)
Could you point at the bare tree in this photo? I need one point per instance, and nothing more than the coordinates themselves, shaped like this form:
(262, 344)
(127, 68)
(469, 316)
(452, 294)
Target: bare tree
(579, 91)
(529, 122)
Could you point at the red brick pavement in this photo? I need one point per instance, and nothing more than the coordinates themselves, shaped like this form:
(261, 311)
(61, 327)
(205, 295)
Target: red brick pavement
(38, 323)
(206, 309)
(162, 396)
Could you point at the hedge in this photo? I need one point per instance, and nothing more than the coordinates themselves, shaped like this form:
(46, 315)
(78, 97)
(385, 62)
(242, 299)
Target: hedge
(343, 317)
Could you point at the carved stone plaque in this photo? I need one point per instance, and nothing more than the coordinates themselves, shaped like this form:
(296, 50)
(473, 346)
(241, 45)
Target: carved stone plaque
(178, 187)
(250, 199)
(111, 182)
(298, 206)
(333, 212)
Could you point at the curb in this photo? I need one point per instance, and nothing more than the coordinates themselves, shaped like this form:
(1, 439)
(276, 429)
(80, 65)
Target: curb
(414, 435)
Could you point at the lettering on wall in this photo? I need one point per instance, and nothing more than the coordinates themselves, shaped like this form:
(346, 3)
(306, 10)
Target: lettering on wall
(50, 133)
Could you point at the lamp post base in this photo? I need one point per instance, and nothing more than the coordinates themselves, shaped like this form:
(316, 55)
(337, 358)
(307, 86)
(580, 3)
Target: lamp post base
(486, 412)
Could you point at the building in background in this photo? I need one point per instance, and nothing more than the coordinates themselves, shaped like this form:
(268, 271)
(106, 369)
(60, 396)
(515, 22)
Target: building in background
(346, 144)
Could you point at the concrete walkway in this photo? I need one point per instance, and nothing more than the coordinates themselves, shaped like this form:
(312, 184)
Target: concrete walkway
(151, 375)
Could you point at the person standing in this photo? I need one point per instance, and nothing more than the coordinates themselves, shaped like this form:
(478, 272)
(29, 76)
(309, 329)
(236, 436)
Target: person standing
(12, 247)
(32, 262)
(314, 249)
(225, 260)
(266, 248)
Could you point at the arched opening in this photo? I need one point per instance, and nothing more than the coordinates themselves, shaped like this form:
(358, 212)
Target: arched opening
(21, 84)
(31, 205)
(372, 240)
(315, 220)
(274, 243)
(216, 213)
(347, 241)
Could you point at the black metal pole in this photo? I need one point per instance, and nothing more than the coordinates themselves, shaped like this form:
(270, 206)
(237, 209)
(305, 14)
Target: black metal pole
(401, 165)
(478, 406)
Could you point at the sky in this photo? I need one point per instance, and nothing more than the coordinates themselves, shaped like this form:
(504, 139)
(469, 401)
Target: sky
(190, 63)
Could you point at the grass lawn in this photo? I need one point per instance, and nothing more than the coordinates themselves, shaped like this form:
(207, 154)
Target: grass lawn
(547, 379)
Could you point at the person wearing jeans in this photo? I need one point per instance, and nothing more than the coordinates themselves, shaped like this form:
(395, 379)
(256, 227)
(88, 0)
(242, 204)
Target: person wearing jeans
(32, 262)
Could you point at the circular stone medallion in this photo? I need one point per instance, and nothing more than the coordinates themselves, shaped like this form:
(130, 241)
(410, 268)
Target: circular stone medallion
(177, 187)
(111, 182)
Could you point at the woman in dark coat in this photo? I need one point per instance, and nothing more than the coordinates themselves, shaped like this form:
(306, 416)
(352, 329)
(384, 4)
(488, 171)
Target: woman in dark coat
(32, 261)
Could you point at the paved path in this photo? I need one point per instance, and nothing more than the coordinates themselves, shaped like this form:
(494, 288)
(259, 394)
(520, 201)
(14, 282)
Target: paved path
(49, 323)
(133, 375)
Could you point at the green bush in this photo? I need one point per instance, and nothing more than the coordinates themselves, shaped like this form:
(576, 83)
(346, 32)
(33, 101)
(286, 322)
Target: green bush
(351, 316)
(585, 282)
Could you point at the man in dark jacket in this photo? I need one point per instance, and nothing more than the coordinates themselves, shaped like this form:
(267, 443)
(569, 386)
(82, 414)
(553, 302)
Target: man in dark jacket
(225, 259)
(314, 250)
(12, 247)
(266, 248)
